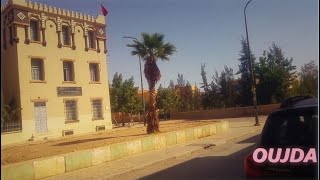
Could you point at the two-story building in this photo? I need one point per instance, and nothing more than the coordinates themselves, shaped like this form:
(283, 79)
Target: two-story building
(54, 68)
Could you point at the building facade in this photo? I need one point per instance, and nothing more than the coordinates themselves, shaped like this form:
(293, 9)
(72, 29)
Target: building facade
(54, 70)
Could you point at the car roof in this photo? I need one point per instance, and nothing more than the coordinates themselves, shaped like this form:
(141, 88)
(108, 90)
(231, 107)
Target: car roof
(312, 102)
(298, 104)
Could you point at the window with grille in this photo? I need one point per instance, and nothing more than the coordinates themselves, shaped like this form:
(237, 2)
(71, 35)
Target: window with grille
(94, 72)
(97, 109)
(91, 40)
(37, 72)
(68, 71)
(34, 30)
(71, 110)
(66, 35)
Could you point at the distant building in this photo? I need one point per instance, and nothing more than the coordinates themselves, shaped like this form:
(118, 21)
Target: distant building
(54, 68)
(146, 96)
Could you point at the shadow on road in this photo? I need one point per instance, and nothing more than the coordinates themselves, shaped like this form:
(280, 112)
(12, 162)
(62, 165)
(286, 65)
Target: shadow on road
(253, 139)
(210, 167)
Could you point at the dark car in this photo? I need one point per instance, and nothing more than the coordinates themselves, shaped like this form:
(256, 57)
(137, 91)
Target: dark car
(293, 125)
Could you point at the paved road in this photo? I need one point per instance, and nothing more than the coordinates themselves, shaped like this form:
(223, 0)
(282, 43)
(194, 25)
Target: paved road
(220, 162)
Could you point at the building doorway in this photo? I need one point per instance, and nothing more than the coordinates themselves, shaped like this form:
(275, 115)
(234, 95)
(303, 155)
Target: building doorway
(40, 112)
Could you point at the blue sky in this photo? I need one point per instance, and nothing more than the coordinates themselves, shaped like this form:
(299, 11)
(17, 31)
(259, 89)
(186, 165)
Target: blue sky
(204, 31)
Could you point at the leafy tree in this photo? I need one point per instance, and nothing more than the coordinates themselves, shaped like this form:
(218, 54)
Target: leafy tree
(166, 99)
(171, 85)
(9, 113)
(206, 101)
(196, 99)
(212, 97)
(150, 49)
(275, 74)
(204, 83)
(186, 97)
(308, 77)
(115, 92)
(226, 87)
(129, 100)
(123, 96)
(294, 87)
(245, 83)
(180, 81)
(184, 91)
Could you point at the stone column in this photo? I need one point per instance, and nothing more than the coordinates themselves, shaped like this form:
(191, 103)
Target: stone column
(11, 35)
(105, 46)
(73, 42)
(86, 42)
(98, 46)
(44, 42)
(4, 38)
(59, 39)
(15, 36)
(26, 33)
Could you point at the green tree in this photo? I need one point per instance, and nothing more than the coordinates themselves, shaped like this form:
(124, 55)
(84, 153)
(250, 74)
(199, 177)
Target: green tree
(181, 82)
(308, 77)
(204, 83)
(171, 85)
(187, 97)
(166, 99)
(275, 74)
(196, 99)
(184, 91)
(123, 96)
(115, 92)
(150, 49)
(211, 97)
(128, 100)
(226, 87)
(10, 113)
(245, 82)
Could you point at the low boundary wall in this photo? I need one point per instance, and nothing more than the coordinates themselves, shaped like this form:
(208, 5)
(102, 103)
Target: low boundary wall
(224, 113)
(46, 167)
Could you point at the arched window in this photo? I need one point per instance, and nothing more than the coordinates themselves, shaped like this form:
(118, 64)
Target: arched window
(34, 30)
(66, 34)
(91, 39)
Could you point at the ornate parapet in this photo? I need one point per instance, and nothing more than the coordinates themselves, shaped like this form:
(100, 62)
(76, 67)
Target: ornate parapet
(19, 12)
(53, 10)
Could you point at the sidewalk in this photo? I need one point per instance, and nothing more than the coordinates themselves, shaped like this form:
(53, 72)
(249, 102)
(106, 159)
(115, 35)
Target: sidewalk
(111, 170)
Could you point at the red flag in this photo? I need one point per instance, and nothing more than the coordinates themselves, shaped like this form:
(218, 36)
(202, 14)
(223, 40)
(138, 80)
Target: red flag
(104, 10)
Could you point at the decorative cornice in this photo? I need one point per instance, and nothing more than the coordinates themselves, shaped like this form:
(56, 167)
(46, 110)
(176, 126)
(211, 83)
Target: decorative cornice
(100, 19)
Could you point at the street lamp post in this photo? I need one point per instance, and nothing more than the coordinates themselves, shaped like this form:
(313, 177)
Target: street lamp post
(252, 72)
(142, 92)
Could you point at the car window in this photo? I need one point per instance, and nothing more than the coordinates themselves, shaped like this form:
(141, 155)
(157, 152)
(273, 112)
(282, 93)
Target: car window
(295, 128)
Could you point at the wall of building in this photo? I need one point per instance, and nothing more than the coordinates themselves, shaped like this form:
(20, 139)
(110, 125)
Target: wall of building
(17, 80)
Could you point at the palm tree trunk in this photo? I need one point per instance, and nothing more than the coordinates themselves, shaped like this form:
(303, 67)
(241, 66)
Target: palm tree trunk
(153, 121)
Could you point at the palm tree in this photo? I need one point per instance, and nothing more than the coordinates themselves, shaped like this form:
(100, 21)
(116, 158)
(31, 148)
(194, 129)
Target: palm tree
(150, 49)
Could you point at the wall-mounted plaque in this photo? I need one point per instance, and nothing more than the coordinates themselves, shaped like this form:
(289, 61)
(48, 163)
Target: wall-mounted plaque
(69, 91)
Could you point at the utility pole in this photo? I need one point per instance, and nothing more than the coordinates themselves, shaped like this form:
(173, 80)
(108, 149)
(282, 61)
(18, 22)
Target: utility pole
(254, 93)
(142, 92)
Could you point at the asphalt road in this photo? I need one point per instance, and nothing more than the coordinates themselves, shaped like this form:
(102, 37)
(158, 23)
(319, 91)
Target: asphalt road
(221, 162)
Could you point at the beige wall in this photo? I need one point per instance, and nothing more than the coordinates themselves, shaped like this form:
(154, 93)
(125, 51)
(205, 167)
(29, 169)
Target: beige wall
(224, 113)
(17, 77)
